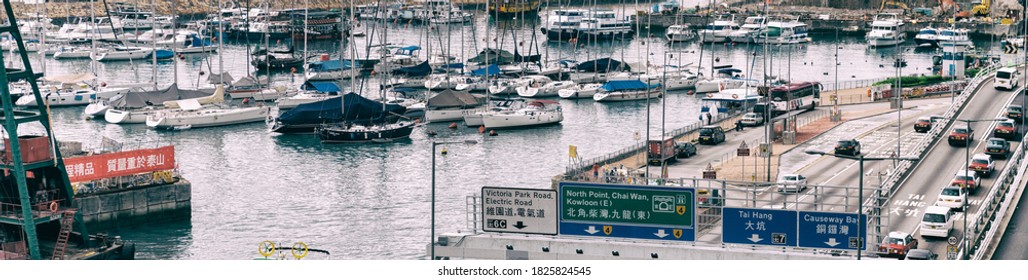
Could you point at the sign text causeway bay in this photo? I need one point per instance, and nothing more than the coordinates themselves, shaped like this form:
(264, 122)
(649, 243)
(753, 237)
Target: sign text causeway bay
(671, 207)
(513, 197)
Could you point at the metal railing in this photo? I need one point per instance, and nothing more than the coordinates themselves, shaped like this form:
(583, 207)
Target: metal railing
(41, 209)
(995, 203)
(921, 148)
(841, 85)
(575, 169)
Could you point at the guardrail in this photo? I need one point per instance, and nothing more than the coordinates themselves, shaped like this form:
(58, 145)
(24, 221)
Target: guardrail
(841, 85)
(997, 200)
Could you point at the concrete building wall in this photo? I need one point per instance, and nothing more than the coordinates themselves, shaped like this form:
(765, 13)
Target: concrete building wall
(135, 206)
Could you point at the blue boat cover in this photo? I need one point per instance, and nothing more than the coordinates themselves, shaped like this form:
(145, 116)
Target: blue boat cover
(602, 65)
(625, 85)
(195, 41)
(728, 71)
(351, 108)
(321, 86)
(165, 54)
(419, 70)
(492, 69)
(330, 65)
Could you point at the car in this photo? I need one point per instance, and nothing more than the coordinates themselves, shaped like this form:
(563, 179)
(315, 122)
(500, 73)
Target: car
(897, 244)
(937, 221)
(1015, 112)
(923, 124)
(711, 135)
(1006, 78)
(752, 119)
(709, 198)
(997, 147)
(684, 149)
(921, 254)
(967, 179)
(961, 136)
(1006, 129)
(847, 147)
(792, 183)
(982, 164)
(953, 197)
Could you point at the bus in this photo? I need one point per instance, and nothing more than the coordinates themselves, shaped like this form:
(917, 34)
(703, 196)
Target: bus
(802, 96)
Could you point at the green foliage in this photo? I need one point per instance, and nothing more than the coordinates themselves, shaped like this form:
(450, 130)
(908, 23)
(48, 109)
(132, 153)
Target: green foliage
(914, 81)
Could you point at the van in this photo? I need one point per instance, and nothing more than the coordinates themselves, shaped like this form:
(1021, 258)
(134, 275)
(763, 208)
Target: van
(937, 221)
(1006, 78)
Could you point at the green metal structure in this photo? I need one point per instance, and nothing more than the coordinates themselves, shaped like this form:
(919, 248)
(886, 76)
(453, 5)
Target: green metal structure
(49, 171)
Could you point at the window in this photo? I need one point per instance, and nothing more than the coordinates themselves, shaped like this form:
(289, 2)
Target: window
(792, 178)
(1003, 75)
(706, 131)
(951, 192)
(895, 241)
(934, 218)
(980, 161)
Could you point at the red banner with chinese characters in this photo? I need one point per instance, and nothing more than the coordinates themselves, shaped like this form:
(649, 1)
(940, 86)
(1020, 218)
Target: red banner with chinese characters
(111, 165)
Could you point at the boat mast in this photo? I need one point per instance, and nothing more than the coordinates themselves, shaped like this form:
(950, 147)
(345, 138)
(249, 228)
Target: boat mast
(221, 44)
(174, 40)
(153, 42)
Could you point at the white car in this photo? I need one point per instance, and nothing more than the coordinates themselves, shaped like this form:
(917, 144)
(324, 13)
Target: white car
(792, 183)
(752, 119)
(937, 221)
(953, 197)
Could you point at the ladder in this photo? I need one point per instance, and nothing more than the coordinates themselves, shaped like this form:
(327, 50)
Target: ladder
(67, 219)
(51, 169)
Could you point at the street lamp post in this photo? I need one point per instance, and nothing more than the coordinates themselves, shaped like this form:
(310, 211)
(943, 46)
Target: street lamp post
(434, 144)
(967, 163)
(860, 187)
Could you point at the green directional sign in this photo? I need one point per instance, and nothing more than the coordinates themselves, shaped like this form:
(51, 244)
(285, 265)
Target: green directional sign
(627, 205)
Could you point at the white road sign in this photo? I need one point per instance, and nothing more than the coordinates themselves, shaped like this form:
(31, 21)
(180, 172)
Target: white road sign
(519, 210)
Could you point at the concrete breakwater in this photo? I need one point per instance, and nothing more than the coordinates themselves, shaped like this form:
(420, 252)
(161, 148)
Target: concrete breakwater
(134, 206)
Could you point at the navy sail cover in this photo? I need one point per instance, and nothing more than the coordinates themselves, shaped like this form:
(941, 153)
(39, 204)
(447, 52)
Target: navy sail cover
(351, 108)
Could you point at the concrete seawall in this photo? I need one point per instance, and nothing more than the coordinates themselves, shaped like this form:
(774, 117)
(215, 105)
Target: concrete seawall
(135, 206)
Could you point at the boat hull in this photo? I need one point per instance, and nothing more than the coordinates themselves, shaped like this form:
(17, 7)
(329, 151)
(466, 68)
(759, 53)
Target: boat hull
(444, 115)
(340, 135)
(208, 118)
(510, 121)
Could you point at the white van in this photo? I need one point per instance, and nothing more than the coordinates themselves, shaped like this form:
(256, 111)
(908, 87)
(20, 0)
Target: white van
(937, 221)
(1006, 78)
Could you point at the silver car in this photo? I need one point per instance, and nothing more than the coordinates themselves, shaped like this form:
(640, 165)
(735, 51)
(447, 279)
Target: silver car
(792, 183)
(752, 119)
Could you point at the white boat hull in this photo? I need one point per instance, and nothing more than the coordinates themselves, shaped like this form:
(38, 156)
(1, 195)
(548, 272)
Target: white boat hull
(55, 100)
(626, 95)
(579, 91)
(207, 117)
(263, 94)
(196, 50)
(293, 101)
(444, 115)
(122, 55)
(886, 42)
(547, 90)
(520, 120)
(473, 120)
(129, 117)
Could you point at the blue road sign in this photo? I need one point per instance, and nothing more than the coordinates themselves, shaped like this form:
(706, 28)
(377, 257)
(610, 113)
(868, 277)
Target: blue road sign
(627, 211)
(759, 226)
(826, 230)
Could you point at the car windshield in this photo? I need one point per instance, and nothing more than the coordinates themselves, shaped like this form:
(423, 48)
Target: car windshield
(960, 130)
(844, 143)
(980, 161)
(791, 178)
(996, 142)
(964, 178)
(934, 218)
(951, 192)
(1014, 109)
(751, 115)
(1006, 124)
(1003, 75)
(924, 120)
(894, 241)
(706, 131)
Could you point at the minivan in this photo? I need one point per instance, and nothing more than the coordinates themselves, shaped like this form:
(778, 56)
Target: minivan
(937, 221)
(1006, 78)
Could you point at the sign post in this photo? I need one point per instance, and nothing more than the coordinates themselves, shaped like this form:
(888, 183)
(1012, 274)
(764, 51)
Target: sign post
(515, 210)
(627, 211)
(828, 230)
(752, 226)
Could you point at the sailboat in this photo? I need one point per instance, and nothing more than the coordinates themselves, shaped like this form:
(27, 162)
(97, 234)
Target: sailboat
(535, 113)
(191, 114)
(134, 107)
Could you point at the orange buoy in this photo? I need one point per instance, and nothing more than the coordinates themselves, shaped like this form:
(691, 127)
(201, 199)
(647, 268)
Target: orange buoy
(481, 129)
(53, 207)
(453, 125)
(493, 133)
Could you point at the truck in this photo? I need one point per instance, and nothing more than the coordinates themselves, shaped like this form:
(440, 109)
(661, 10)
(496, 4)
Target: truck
(659, 151)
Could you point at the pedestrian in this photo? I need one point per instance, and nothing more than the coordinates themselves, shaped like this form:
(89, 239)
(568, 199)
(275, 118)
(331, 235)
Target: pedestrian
(596, 170)
(708, 118)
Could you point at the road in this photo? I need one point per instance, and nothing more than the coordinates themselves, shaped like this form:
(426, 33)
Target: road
(937, 169)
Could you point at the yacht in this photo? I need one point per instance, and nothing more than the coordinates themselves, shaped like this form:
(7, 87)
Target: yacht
(954, 36)
(784, 32)
(719, 30)
(548, 89)
(562, 25)
(726, 78)
(886, 30)
(121, 53)
(580, 91)
(604, 24)
(535, 113)
(626, 90)
(680, 33)
(927, 37)
(749, 30)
